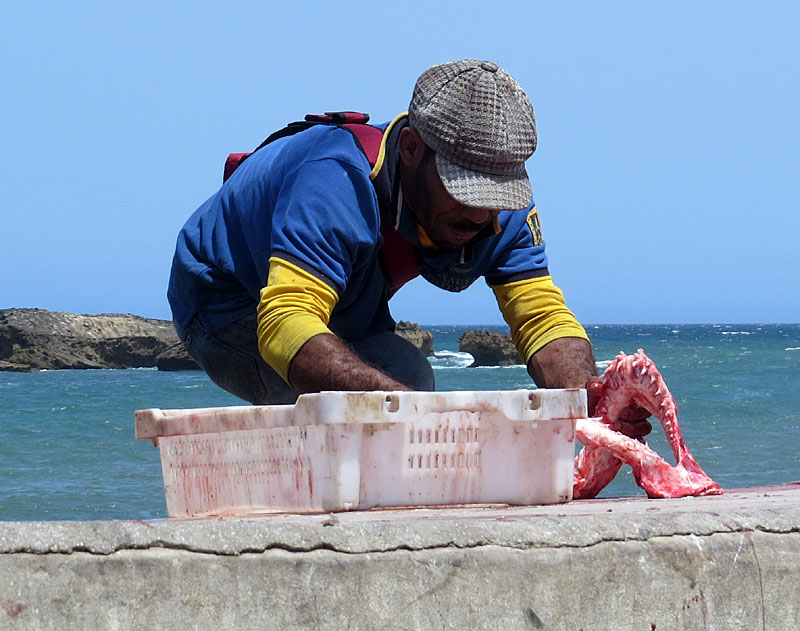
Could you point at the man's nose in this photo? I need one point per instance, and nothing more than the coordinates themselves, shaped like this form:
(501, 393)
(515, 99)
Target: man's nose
(478, 215)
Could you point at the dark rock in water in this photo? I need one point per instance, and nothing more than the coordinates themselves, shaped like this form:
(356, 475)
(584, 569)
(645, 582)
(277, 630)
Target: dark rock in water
(410, 331)
(36, 339)
(176, 358)
(489, 348)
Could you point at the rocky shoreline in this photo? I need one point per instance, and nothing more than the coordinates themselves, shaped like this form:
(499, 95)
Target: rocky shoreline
(37, 339)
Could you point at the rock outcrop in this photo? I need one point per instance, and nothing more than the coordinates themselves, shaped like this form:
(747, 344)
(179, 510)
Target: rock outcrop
(489, 348)
(410, 331)
(423, 340)
(36, 339)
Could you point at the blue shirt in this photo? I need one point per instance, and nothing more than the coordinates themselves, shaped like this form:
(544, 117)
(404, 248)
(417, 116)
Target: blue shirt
(308, 199)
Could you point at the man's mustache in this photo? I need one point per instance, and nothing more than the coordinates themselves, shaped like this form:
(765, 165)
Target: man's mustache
(468, 226)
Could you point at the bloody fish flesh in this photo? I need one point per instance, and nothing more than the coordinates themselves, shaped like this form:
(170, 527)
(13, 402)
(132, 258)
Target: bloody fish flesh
(635, 380)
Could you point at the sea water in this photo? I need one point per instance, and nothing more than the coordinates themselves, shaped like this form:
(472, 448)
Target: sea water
(68, 452)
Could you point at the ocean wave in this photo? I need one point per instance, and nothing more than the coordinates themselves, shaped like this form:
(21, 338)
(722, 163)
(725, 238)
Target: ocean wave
(450, 359)
(736, 332)
(455, 354)
(454, 360)
(476, 370)
(792, 348)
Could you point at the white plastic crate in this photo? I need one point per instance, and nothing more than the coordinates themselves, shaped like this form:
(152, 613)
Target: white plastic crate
(336, 451)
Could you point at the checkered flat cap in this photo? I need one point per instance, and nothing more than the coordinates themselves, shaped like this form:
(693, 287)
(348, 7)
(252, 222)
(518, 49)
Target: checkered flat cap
(480, 123)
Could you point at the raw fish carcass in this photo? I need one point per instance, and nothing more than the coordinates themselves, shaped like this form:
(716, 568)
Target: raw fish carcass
(634, 380)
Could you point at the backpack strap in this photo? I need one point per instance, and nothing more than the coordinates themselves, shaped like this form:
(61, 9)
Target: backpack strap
(398, 255)
(369, 138)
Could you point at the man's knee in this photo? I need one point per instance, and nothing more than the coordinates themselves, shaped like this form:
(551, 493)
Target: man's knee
(231, 359)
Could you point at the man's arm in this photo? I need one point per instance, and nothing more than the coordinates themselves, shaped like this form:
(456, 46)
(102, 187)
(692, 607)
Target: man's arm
(324, 362)
(294, 338)
(558, 350)
(566, 362)
(547, 334)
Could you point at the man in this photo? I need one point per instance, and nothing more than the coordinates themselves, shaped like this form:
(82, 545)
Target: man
(281, 280)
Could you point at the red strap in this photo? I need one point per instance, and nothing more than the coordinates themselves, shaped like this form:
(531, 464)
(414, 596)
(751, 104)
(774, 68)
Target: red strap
(399, 257)
(370, 138)
(232, 163)
(338, 118)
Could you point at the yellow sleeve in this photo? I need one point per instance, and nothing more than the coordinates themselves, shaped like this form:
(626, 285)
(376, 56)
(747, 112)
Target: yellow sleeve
(294, 307)
(535, 311)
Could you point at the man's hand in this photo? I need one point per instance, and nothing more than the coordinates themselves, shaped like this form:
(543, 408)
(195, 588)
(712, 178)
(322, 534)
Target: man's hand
(631, 421)
(325, 363)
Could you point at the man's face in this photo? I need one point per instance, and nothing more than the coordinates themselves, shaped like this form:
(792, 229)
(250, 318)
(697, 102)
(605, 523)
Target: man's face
(449, 223)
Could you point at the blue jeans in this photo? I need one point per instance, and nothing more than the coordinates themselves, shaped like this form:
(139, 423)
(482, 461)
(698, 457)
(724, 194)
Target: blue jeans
(231, 359)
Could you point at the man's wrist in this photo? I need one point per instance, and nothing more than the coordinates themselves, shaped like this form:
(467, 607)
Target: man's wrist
(566, 362)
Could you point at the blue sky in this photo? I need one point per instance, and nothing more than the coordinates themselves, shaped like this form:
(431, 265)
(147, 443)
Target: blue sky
(666, 173)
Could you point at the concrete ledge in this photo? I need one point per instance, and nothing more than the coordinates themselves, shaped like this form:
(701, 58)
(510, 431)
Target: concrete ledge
(729, 562)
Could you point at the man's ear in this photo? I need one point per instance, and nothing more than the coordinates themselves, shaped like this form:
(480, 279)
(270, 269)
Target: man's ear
(411, 147)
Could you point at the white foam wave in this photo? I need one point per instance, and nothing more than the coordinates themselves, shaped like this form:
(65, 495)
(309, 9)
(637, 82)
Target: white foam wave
(736, 332)
(453, 354)
(451, 366)
(451, 360)
(447, 360)
(792, 348)
(477, 369)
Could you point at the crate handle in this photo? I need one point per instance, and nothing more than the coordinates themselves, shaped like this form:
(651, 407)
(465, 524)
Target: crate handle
(392, 403)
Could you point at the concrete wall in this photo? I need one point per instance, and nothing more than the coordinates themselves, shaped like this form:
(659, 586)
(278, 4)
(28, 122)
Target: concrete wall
(700, 563)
